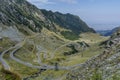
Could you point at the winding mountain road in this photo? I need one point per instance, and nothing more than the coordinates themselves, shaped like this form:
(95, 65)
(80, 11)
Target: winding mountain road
(4, 63)
(42, 65)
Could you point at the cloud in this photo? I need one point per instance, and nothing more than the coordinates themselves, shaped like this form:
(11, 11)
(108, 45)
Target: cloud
(69, 1)
(41, 2)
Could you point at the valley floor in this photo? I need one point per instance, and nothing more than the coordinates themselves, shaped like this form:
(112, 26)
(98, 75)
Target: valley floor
(35, 59)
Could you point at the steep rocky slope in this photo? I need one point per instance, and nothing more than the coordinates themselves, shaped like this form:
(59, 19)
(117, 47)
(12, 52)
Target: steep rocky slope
(68, 21)
(105, 66)
(20, 13)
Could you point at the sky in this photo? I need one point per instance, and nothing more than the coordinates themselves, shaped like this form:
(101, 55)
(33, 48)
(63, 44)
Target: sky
(98, 14)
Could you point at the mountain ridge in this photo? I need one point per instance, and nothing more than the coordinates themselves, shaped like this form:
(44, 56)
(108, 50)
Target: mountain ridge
(108, 32)
(16, 12)
(68, 21)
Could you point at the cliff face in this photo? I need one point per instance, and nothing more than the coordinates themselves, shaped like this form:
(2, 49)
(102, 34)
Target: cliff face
(21, 12)
(15, 12)
(105, 66)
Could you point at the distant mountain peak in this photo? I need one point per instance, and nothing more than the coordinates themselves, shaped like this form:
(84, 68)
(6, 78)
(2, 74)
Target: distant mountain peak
(67, 21)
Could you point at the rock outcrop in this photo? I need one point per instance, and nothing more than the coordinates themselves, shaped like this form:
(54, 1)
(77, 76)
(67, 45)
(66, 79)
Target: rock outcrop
(106, 64)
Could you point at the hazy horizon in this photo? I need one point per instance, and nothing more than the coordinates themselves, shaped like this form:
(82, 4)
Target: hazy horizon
(98, 14)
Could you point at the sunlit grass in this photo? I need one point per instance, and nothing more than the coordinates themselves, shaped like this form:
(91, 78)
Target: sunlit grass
(49, 43)
(20, 68)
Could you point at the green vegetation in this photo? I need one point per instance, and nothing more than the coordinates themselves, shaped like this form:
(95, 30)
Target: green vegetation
(115, 77)
(28, 54)
(73, 51)
(9, 75)
(69, 35)
(52, 74)
(81, 57)
(68, 21)
(5, 43)
(23, 71)
(96, 75)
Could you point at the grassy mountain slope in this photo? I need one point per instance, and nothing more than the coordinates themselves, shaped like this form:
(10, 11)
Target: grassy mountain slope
(68, 21)
(104, 66)
(44, 45)
(21, 12)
